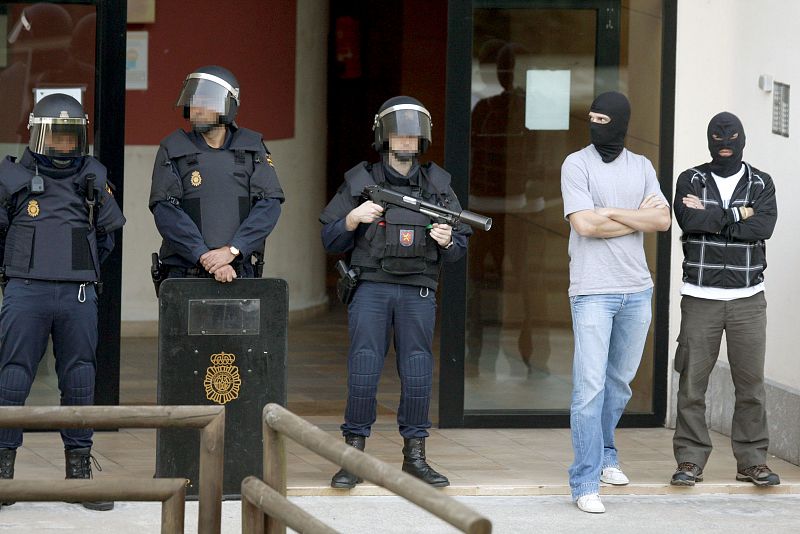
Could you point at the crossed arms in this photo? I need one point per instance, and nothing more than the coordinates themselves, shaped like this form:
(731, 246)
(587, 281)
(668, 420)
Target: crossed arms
(652, 216)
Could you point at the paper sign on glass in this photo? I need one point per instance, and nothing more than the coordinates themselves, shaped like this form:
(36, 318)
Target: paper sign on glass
(547, 100)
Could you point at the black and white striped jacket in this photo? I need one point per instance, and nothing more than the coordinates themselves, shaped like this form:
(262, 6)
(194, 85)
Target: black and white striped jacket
(719, 248)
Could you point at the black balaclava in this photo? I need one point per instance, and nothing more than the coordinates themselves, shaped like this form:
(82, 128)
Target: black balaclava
(725, 125)
(609, 139)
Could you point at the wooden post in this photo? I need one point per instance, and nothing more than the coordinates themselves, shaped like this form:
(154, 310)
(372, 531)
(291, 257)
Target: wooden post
(370, 468)
(274, 471)
(171, 491)
(212, 450)
(252, 517)
(211, 419)
(56, 417)
(173, 511)
(261, 498)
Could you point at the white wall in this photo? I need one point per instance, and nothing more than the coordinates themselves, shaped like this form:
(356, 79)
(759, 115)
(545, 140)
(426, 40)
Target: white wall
(294, 251)
(722, 48)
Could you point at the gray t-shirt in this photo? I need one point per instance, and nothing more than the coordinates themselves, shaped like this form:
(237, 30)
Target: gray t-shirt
(607, 265)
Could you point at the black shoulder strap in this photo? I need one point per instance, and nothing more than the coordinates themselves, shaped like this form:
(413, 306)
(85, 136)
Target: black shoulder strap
(178, 145)
(247, 140)
(438, 179)
(13, 177)
(361, 176)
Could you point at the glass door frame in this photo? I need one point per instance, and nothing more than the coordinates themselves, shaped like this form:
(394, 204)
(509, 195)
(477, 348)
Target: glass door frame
(457, 156)
(109, 149)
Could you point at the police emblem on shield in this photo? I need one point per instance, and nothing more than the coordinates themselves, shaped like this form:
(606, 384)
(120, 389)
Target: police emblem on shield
(406, 237)
(33, 208)
(196, 179)
(222, 380)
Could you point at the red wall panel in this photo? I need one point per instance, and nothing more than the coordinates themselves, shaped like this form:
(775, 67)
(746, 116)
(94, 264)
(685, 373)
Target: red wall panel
(254, 39)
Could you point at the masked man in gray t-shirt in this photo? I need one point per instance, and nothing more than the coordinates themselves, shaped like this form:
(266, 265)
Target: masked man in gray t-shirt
(611, 197)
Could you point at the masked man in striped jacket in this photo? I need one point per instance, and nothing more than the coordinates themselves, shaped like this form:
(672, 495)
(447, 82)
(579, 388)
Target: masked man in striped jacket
(727, 210)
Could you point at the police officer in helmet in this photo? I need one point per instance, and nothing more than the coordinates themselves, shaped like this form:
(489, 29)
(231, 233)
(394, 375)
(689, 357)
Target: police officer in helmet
(56, 228)
(398, 254)
(215, 195)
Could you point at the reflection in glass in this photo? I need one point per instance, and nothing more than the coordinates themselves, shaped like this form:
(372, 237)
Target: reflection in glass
(519, 328)
(47, 46)
(519, 342)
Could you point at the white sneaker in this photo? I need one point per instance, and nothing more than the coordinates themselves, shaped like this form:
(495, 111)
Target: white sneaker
(591, 503)
(613, 475)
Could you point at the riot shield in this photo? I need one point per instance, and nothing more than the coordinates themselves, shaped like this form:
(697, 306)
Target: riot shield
(220, 344)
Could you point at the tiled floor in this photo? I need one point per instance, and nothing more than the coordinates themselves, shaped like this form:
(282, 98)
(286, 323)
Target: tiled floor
(478, 462)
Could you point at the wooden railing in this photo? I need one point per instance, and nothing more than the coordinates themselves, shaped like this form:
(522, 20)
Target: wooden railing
(266, 509)
(209, 419)
(170, 491)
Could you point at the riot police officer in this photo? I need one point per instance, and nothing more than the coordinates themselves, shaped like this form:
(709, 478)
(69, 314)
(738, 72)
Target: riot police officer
(398, 253)
(56, 224)
(215, 195)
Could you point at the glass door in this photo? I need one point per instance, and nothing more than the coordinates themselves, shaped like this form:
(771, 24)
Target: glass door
(531, 71)
(48, 47)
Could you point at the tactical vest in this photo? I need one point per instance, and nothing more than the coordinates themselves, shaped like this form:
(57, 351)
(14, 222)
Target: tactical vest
(396, 248)
(49, 236)
(217, 193)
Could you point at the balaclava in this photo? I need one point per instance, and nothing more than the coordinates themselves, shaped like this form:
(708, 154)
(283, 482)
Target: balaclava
(725, 126)
(609, 139)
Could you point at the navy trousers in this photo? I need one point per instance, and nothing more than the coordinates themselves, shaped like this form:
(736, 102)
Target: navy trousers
(33, 310)
(376, 311)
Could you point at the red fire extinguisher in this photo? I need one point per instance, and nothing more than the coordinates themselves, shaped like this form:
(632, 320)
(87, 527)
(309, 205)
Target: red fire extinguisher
(348, 48)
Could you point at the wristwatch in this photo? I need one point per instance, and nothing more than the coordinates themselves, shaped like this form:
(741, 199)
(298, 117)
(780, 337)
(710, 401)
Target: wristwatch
(450, 244)
(233, 250)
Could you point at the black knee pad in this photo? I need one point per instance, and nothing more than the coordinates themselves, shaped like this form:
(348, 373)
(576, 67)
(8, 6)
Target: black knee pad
(77, 385)
(15, 384)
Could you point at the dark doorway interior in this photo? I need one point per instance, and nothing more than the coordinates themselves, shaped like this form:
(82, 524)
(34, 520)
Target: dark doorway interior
(379, 50)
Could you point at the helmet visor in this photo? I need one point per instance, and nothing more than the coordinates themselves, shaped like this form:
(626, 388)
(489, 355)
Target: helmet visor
(204, 93)
(405, 120)
(58, 138)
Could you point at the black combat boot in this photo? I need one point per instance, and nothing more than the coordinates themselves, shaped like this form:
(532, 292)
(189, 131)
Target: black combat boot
(343, 479)
(414, 463)
(7, 457)
(79, 465)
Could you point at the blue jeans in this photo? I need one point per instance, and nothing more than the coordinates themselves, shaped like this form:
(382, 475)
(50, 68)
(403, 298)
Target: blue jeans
(610, 332)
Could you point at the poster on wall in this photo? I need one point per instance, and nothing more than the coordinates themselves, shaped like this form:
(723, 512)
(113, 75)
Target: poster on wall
(136, 61)
(141, 11)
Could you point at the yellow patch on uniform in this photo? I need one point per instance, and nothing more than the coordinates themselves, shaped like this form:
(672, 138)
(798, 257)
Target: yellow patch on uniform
(196, 179)
(109, 191)
(269, 160)
(33, 208)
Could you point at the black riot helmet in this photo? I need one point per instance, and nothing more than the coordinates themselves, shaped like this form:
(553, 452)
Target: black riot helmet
(211, 87)
(405, 116)
(58, 127)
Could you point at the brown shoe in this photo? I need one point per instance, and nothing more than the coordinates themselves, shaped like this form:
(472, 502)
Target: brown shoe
(687, 474)
(760, 475)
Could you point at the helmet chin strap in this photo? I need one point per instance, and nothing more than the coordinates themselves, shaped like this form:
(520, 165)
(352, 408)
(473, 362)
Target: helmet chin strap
(61, 163)
(203, 127)
(404, 156)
